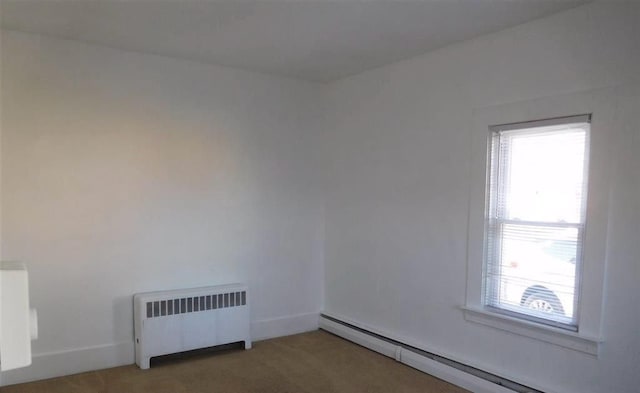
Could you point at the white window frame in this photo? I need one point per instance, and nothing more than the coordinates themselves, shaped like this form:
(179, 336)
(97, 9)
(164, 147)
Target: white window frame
(493, 195)
(599, 104)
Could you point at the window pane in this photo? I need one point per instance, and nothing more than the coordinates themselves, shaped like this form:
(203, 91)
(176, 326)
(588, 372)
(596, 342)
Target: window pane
(535, 272)
(543, 175)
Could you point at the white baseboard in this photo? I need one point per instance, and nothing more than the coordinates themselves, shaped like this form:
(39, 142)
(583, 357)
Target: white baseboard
(74, 361)
(284, 326)
(360, 338)
(413, 359)
(57, 364)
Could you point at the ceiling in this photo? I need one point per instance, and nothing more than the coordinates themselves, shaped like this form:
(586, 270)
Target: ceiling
(316, 40)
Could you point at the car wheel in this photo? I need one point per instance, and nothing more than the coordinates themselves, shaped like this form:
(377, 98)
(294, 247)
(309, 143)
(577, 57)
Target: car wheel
(546, 302)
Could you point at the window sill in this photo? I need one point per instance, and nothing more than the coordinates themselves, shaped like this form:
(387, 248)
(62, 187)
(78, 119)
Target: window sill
(563, 338)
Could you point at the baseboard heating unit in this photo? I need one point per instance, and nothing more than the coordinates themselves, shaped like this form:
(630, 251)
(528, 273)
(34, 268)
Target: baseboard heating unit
(169, 322)
(466, 377)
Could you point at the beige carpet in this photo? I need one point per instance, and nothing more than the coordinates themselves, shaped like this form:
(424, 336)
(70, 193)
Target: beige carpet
(312, 362)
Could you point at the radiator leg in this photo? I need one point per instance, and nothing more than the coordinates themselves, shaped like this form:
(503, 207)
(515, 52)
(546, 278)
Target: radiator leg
(145, 363)
(247, 344)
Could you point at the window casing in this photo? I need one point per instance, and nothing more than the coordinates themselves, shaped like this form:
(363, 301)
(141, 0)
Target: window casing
(603, 137)
(535, 219)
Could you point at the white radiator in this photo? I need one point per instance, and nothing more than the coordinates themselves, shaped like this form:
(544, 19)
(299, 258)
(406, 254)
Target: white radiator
(169, 322)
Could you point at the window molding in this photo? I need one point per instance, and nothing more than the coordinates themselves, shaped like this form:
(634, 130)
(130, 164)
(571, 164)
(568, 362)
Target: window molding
(600, 105)
(538, 331)
(556, 121)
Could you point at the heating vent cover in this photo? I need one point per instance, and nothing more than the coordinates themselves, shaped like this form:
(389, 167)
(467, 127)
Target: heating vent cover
(161, 308)
(182, 320)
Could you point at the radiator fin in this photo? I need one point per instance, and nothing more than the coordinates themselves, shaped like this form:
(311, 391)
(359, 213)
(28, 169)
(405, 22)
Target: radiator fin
(161, 308)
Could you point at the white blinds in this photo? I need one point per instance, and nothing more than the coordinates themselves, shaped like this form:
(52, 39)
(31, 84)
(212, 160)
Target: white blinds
(535, 219)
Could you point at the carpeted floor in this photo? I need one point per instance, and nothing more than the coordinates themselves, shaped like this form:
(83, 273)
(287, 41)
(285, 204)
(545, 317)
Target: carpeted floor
(315, 362)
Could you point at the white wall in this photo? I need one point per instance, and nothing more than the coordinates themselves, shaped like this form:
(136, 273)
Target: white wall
(125, 172)
(397, 192)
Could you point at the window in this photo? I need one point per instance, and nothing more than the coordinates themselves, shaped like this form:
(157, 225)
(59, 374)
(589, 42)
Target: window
(535, 219)
(528, 212)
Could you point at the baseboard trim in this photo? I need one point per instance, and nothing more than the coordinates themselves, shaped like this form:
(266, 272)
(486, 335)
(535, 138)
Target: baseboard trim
(74, 361)
(79, 360)
(413, 357)
(284, 326)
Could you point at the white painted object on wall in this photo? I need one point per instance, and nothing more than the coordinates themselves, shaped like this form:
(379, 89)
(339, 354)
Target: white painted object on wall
(169, 322)
(18, 323)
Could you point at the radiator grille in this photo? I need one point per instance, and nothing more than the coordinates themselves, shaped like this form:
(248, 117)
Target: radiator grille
(161, 308)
